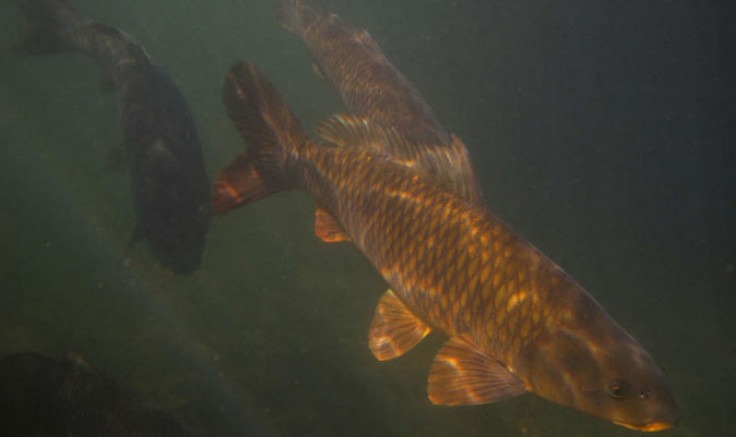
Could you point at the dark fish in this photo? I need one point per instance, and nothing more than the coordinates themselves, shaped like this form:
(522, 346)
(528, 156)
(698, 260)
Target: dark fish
(516, 321)
(169, 183)
(387, 114)
(47, 397)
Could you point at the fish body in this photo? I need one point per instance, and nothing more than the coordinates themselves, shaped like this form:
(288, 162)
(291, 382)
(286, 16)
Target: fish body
(387, 114)
(170, 186)
(516, 321)
(367, 82)
(49, 397)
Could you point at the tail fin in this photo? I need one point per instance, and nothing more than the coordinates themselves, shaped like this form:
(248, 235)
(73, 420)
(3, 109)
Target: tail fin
(295, 16)
(273, 135)
(48, 27)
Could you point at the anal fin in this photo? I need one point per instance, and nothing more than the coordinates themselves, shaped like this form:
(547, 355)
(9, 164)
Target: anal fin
(394, 329)
(327, 228)
(462, 374)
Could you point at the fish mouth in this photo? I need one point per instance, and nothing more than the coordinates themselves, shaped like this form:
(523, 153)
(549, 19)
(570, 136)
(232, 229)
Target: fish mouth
(649, 427)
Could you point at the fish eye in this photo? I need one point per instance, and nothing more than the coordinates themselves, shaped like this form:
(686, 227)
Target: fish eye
(618, 389)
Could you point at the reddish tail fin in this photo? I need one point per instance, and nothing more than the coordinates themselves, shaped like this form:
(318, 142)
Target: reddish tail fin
(271, 131)
(295, 16)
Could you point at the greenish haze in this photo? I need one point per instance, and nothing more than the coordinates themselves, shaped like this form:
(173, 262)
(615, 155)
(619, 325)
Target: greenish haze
(599, 131)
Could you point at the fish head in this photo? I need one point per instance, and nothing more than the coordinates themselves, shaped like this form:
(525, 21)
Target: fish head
(608, 375)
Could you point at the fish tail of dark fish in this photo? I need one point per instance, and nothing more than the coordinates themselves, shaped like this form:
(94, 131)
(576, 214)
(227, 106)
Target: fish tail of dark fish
(272, 133)
(55, 26)
(50, 27)
(295, 16)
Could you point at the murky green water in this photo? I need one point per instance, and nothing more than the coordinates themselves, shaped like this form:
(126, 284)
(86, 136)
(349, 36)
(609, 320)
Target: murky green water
(598, 130)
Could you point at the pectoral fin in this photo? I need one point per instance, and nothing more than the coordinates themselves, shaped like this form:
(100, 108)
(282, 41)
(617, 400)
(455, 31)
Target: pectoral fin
(463, 375)
(394, 329)
(327, 228)
(317, 70)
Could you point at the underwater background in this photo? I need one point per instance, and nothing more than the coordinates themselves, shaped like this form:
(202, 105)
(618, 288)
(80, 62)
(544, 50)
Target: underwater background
(601, 131)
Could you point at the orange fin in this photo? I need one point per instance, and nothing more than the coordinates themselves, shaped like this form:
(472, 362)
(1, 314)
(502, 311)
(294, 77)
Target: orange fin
(463, 375)
(447, 164)
(239, 183)
(394, 329)
(348, 130)
(271, 131)
(461, 178)
(327, 228)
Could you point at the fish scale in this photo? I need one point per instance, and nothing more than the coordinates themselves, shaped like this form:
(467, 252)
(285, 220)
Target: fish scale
(388, 231)
(389, 117)
(382, 103)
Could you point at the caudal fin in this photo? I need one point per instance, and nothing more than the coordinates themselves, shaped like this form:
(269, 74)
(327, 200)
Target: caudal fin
(295, 16)
(271, 131)
(49, 27)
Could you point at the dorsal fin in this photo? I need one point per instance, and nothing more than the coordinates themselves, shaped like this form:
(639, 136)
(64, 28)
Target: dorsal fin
(365, 39)
(351, 131)
(394, 329)
(347, 130)
(446, 164)
(463, 179)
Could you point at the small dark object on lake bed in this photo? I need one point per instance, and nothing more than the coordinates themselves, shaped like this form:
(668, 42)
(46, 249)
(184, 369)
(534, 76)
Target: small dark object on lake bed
(42, 396)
